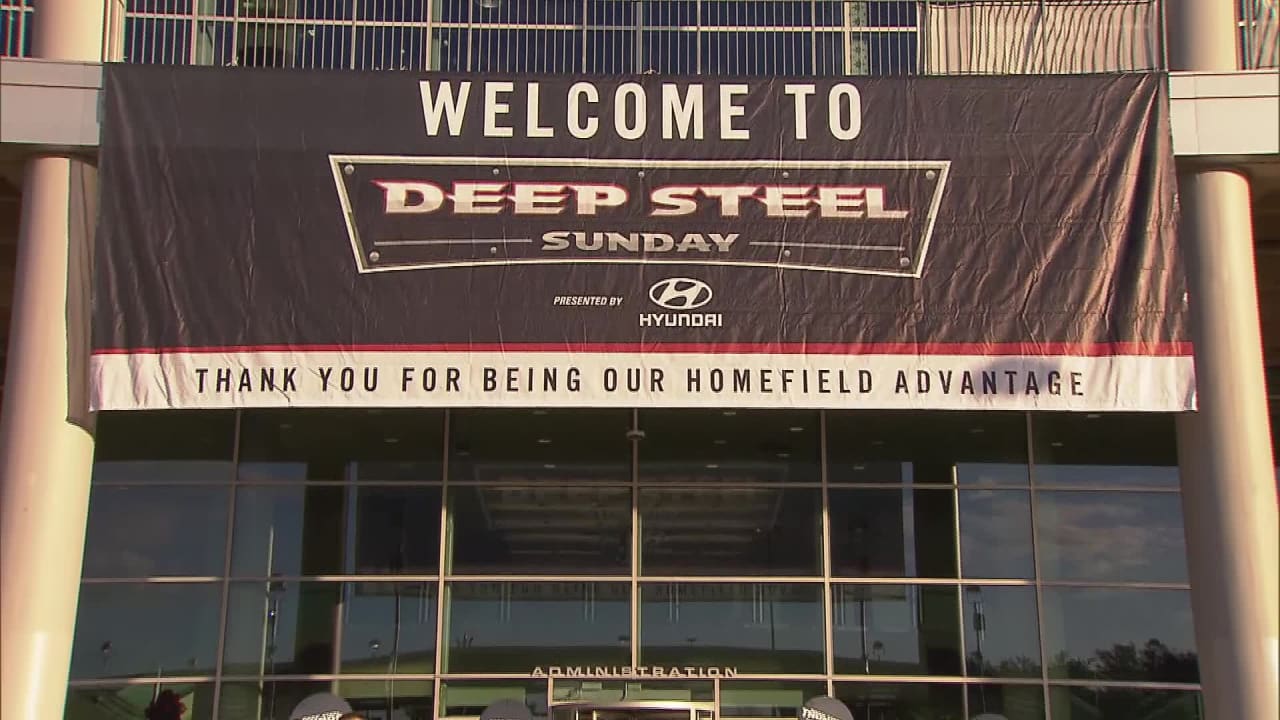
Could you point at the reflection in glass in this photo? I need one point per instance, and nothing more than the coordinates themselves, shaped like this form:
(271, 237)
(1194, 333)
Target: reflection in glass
(895, 630)
(995, 534)
(299, 530)
(540, 530)
(287, 530)
(363, 445)
(275, 700)
(280, 628)
(1120, 634)
(164, 446)
(388, 628)
(146, 630)
(544, 446)
(1001, 634)
(766, 699)
(742, 446)
(1113, 703)
(902, 701)
(1109, 449)
(731, 531)
(392, 530)
(1111, 536)
(132, 701)
(269, 700)
(565, 690)
(893, 532)
(469, 698)
(138, 531)
(513, 627)
(756, 627)
(393, 700)
(934, 447)
(1011, 702)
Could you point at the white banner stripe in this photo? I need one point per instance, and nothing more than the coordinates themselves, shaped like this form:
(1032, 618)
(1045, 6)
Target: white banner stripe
(712, 380)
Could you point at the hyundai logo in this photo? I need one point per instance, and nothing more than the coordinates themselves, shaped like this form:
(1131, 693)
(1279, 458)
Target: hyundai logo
(680, 293)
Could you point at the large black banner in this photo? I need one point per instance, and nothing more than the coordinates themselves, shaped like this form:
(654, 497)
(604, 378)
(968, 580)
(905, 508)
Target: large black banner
(395, 239)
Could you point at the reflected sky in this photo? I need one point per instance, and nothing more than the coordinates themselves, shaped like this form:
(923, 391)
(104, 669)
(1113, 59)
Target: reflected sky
(1081, 622)
(1111, 536)
(995, 534)
(146, 630)
(148, 530)
(1000, 630)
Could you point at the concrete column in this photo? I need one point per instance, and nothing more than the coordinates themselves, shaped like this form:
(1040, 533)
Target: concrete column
(1228, 479)
(46, 445)
(1228, 476)
(1229, 493)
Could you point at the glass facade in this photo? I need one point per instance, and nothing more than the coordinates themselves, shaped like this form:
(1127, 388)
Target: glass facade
(424, 563)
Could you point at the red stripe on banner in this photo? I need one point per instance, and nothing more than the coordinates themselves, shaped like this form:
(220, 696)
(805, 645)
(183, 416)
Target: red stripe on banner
(1155, 349)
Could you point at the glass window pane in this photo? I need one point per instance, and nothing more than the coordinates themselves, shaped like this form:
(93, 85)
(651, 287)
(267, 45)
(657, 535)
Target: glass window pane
(369, 445)
(895, 630)
(512, 627)
(164, 446)
(1111, 536)
(295, 530)
(1120, 634)
(287, 530)
(132, 701)
(388, 628)
(146, 630)
(614, 691)
(393, 530)
(280, 628)
(539, 530)
(1113, 703)
(522, 446)
(934, 447)
(893, 533)
(689, 446)
(766, 699)
(731, 531)
(270, 700)
(1010, 702)
(902, 701)
(756, 627)
(394, 700)
(1001, 634)
(995, 534)
(152, 530)
(468, 698)
(1105, 449)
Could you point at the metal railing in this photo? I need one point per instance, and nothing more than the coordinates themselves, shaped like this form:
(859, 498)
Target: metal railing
(1259, 34)
(742, 37)
(15, 27)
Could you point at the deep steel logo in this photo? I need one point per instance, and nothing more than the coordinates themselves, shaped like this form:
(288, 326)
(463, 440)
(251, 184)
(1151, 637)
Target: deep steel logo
(855, 216)
(680, 293)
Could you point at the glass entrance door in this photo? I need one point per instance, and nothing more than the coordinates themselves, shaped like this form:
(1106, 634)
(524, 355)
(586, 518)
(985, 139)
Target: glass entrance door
(634, 711)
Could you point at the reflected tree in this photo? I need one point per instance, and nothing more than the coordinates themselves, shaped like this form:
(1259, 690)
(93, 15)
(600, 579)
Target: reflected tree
(1020, 666)
(1150, 662)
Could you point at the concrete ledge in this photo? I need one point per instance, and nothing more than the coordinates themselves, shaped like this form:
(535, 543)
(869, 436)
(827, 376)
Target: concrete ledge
(1224, 115)
(49, 104)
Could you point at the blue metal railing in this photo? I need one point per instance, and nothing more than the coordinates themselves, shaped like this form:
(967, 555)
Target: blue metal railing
(749, 37)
